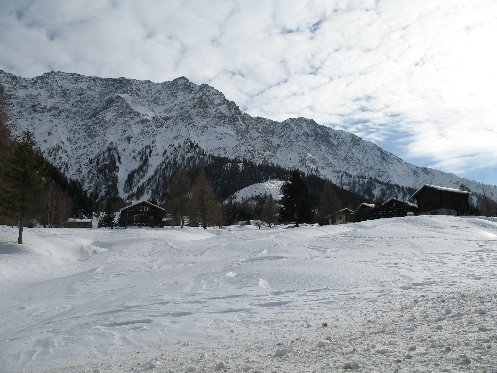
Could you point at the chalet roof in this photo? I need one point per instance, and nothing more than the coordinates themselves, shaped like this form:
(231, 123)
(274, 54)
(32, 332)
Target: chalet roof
(399, 200)
(345, 210)
(364, 204)
(440, 189)
(143, 203)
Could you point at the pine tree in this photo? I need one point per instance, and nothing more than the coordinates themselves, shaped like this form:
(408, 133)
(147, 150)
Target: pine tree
(379, 200)
(5, 149)
(230, 212)
(58, 205)
(329, 203)
(179, 194)
(203, 205)
(217, 213)
(23, 182)
(4, 130)
(107, 219)
(295, 202)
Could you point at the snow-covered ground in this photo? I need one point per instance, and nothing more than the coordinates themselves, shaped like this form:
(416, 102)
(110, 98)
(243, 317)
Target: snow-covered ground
(407, 294)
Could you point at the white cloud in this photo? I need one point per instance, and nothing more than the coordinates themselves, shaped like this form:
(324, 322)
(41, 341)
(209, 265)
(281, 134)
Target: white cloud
(417, 77)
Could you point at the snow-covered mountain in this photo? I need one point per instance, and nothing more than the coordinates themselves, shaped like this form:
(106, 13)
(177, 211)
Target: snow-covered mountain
(124, 136)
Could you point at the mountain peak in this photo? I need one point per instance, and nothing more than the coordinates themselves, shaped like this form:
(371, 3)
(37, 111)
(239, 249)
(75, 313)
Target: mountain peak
(75, 117)
(181, 80)
(301, 121)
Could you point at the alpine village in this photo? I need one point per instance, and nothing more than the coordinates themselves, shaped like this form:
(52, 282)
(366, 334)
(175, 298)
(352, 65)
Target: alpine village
(202, 191)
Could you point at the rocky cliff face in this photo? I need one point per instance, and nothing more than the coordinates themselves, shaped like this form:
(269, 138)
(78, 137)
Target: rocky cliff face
(123, 136)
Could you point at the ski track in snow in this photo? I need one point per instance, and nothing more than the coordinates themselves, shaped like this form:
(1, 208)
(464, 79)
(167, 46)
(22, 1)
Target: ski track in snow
(402, 294)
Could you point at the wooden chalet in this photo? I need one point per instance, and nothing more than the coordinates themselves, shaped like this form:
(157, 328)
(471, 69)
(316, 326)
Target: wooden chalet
(344, 216)
(395, 208)
(142, 214)
(438, 200)
(365, 211)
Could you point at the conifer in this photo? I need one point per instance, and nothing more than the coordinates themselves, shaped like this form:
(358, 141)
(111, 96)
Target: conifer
(23, 182)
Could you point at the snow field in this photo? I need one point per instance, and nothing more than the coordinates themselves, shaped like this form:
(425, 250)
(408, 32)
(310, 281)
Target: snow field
(402, 294)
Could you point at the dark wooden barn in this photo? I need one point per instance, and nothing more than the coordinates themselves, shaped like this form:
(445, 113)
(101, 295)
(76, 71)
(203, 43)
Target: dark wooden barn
(142, 214)
(365, 211)
(395, 208)
(437, 200)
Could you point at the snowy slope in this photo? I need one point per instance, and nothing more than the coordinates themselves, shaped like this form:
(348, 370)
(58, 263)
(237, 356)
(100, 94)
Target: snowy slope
(269, 188)
(126, 133)
(407, 294)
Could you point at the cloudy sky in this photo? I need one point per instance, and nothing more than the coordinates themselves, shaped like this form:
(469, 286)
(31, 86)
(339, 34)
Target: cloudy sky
(416, 77)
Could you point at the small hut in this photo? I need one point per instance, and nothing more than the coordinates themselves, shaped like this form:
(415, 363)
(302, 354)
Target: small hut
(438, 200)
(142, 214)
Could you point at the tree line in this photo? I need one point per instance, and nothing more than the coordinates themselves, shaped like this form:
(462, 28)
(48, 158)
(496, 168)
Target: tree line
(195, 203)
(32, 188)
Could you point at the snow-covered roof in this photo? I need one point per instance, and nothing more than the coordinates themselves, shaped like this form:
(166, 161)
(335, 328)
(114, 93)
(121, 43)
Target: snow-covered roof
(345, 210)
(364, 204)
(399, 200)
(441, 189)
(144, 202)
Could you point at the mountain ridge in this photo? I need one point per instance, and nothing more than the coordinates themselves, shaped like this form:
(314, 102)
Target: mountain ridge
(123, 130)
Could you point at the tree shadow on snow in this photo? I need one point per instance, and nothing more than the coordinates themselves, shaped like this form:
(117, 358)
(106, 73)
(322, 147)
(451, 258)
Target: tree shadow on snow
(10, 248)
